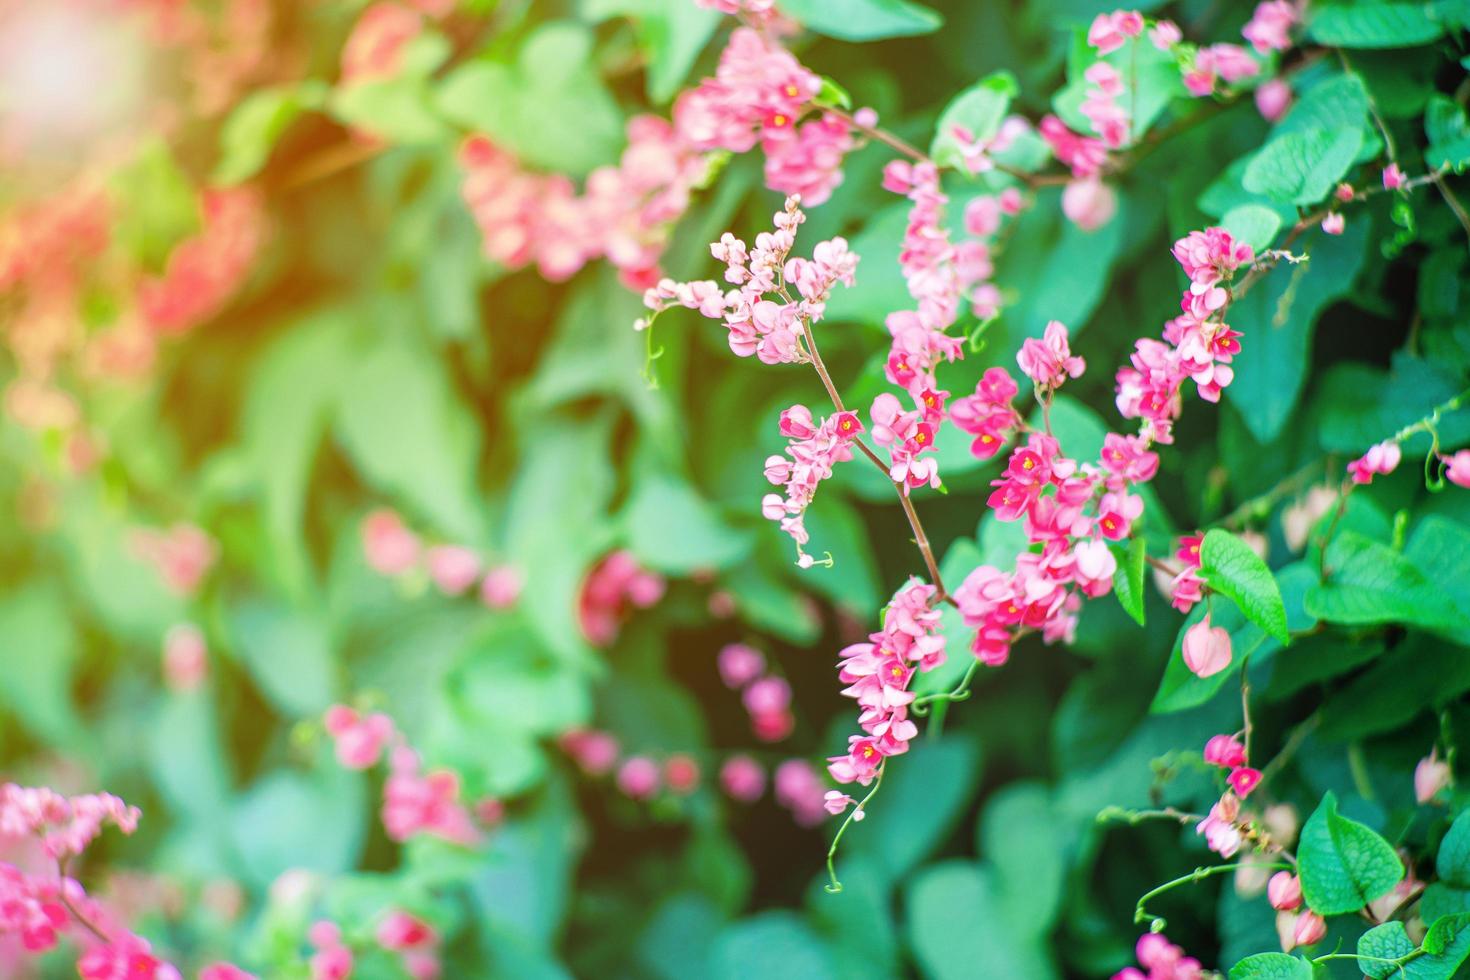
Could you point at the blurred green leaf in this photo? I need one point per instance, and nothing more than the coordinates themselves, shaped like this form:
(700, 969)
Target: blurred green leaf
(257, 122)
(40, 652)
(979, 109)
(772, 944)
(1374, 25)
(864, 20)
(1303, 167)
(1272, 966)
(1368, 582)
(673, 529)
(1448, 132)
(958, 930)
(923, 795)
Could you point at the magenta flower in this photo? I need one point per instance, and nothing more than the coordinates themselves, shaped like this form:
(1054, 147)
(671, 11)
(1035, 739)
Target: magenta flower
(1206, 648)
(638, 778)
(1284, 891)
(742, 779)
(360, 740)
(1270, 26)
(1393, 177)
(1380, 460)
(387, 543)
(740, 664)
(1457, 468)
(1049, 361)
(1224, 751)
(1273, 98)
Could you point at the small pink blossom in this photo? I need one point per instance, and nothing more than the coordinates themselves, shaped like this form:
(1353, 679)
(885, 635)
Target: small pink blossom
(182, 555)
(453, 568)
(740, 664)
(1270, 26)
(1393, 177)
(1380, 460)
(595, 752)
(1431, 776)
(415, 802)
(1243, 780)
(1273, 98)
(1334, 223)
(375, 48)
(360, 740)
(501, 586)
(1089, 204)
(1049, 361)
(1206, 648)
(1457, 468)
(1165, 34)
(387, 543)
(837, 802)
(638, 778)
(798, 788)
(681, 774)
(1224, 751)
(742, 779)
(1109, 32)
(185, 658)
(126, 958)
(401, 931)
(1284, 891)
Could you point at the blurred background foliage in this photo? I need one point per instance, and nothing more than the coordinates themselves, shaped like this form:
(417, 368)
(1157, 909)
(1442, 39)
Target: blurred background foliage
(371, 357)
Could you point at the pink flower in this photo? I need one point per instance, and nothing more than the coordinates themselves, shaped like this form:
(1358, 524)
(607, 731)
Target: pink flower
(453, 568)
(1270, 26)
(1457, 468)
(740, 664)
(1380, 460)
(1393, 177)
(837, 802)
(424, 803)
(612, 589)
(501, 586)
(400, 931)
(1084, 154)
(1089, 204)
(1334, 223)
(1284, 891)
(1243, 780)
(638, 778)
(1219, 828)
(360, 740)
(387, 543)
(594, 752)
(799, 789)
(1165, 34)
(1309, 930)
(681, 774)
(182, 555)
(1162, 959)
(375, 47)
(1109, 32)
(1206, 648)
(185, 658)
(743, 779)
(1049, 361)
(126, 958)
(1273, 98)
(1224, 751)
(809, 165)
(332, 960)
(1431, 776)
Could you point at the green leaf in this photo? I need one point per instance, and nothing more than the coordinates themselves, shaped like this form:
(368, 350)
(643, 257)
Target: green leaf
(1418, 675)
(1437, 547)
(1254, 224)
(1128, 579)
(398, 109)
(550, 108)
(1369, 582)
(1374, 25)
(1180, 687)
(1271, 966)
(1448, 132)
(1233, 569)
(673, 529)
(1303, 167)
(38, 646)
(160, 206)
(1343, 864)
(291, 820)
(771, 944)
(980, 109)
(1025, 843)
(832, 95)
(1440, 900)
(929, 792)
(404, 425)
(1445, 947)
(1453, 861)
(958, 930)
(255, 125)
(864, 20)
(1280, 316)
(672, 34)
(289, 656)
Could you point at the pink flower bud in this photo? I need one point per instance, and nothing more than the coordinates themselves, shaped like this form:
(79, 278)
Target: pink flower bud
(399, 931)
(1334, 223)
(1457, 468)
(740, 664)
(390, 547)
(1272, 99)
(743, 779)
(1206, 648)
(638, 778)
(1310, 928)
(453, 568)
(501, 587)
(1431, 776)
(1284, 891)
(1224, 751)
(681, 773)
(1089, 204)
(185, 659)
(1393, 177)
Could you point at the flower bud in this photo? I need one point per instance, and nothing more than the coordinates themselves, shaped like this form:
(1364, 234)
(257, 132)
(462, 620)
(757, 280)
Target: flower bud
(1206, 649)
(1431, 776)
(1284, 891)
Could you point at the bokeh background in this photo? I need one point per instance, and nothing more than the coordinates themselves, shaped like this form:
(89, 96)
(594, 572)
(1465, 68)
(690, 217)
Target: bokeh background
(278, 435)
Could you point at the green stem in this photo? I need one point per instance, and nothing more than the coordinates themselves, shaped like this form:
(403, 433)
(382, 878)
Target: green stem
(836, 886)
(1140, 914)
(920, 706)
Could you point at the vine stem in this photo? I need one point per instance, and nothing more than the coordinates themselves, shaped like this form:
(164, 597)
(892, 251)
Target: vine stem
(1140, 913)
(921, 539)
(76, 913)
(835, 886)
(961, 692)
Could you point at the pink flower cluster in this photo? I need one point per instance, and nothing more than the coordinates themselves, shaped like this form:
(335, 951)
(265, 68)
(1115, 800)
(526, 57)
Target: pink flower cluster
(393, 549)
(908, 435)
(814, 448)
(1219, 62)
(183, 554)
(1206, 649)
(766, 697)
(65, 825)
(30, 908)
(941, 276)
(808, 165)
(1049, 361)
(414, 802)
(987, 414)
(1163, 961)
(203, 272)
(1109, 32)
(758, 93)
(1101, 107)
(613, 588)
(1270, 25)
(185, 658)
(878, 673)
(333, 959)
(624, 214)
(1198, 344)
(1457, 467)
(1085, 155)
(127, 958)
(1380, 460)
(414, 940)
(1227, 752)
(797, 787)
(761, 316)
